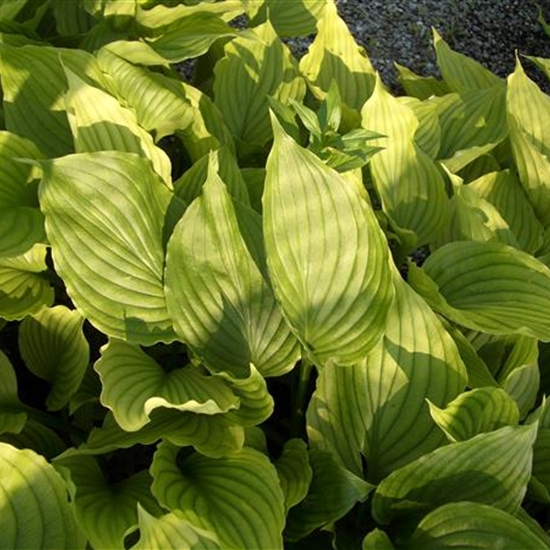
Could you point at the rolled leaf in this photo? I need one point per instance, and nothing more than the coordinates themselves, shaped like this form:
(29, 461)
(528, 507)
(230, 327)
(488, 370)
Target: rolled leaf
(217, 288)
(327, 257)
(21, 222)
(54, 348)
(238, 498)
(490, 468)
(134, 384)
(23, 287)
(106, 218)
(34, 506)
(487, 286)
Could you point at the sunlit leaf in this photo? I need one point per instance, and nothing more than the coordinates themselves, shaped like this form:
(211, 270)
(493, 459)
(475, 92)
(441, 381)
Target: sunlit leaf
(421, 87)
(115, 278)
(54, 348)
(327, 257)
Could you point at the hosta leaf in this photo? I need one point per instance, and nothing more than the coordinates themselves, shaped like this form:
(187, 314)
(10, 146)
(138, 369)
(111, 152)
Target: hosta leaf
(377, 540)
(465, 525)
(408, 182)
(133, 51)
(526, 108)
(238, 497)
(294, 19)
(474, 412)
(170, 531)
(428, 132)
(421, 87)
(217, 287)
(328, 259)
(490, 468)
(33, 82)
(36, 437)
(105, 217)
(34, 507)
(190, 36)
(54, 348)
(487, 286)
(70, 18)
(21, 222)
(105, 511)
(12, 415)
(334, 55)
(24, 289)
(134, 384)
(473, 123)
(504, 191)
(210, 435)
(100, 123)
(378, 406)
(522, 384)
(329, 478)
(460, 72)
(295, 473)
(541, 460)
(256, 65)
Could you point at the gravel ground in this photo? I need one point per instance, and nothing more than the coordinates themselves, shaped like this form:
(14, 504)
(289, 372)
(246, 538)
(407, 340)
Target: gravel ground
(490, 31)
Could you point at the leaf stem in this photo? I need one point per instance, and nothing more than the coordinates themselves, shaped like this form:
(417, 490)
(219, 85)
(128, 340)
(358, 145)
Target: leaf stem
(300, 398)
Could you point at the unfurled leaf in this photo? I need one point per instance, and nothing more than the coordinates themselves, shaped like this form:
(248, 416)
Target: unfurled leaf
(54, 348)
(526, 108)
(421, 87)
(504, 191)
(490, 468)
(217, 288)
(327, 256)
(377, 540)
(378, 406)
(134, 384)
(33, 82)
(21, 222)
(23, 287)
(34, 507)
(100, 123)
(105, 511)
(316, 510)
(487, 286)
(473, 525)
(115, 278)
(335, 56)
(170, 531)
(460, 72)
(38, 438)
(474, 412)
(408, 182)
(256, 65)
(12, 415)
(238, 498)
(295, 473)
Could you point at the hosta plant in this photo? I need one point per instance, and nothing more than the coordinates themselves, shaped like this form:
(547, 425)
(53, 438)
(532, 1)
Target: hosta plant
(217, 330)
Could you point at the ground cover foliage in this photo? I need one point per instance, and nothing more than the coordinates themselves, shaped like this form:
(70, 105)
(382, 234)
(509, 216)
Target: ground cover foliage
(215, 328)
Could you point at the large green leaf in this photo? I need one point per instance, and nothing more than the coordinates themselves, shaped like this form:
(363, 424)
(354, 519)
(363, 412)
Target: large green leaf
(54, 348)
(23, 287)
(33, 504)
(100, 123)
(238, 498)
(217, 287)
(378, 406)
(256, 65)
(332, 493)
(527, 108)
(474, 412)
(467, 525)
(33, 82)
(490, 468)
(134, 384)
(408, 182)
(487, 286)
(106, 217)
(504, 191)
(105, 511)
(327, 257)
(335, 55)
(12, 415)
(170, 531)
(421, 87)
(21, 222)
